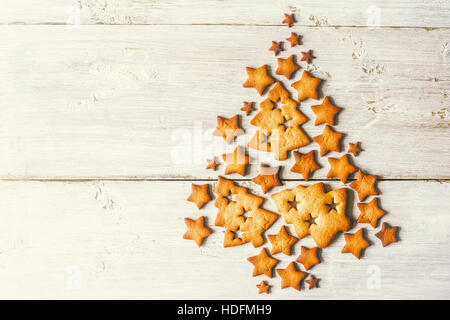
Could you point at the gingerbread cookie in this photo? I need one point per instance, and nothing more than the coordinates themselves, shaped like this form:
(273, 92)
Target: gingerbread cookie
(282, 242)
(365, 185)
(370, 212)
(325, 112)
(312, 211)
(308, 257)
(263, 264)
(312, 282)
(211, 164)
(258, 79)
(354, 148)
(276, 47)
(263, 287)
(305, 164)
(290, 277)
(267, 178)
(340, 168)
(307, 56)
(289, 19)
(329, 140)
(199, 195)
(287, 67)
(355, 243)
(228, 129)
(387, 234)
(307, 87)
(248, 107)
(196, 230)
(236, 162)
(294, 39)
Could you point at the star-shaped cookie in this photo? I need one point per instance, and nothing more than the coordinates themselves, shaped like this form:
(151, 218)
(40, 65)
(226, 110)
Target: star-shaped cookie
(263, 287)
(199, 195)
(236, 162)
(325, 112)
(387, 234)
(355, 243)
(276, 47)
(312, 282)
(248, 107)
(290, 277)
(308, 257)
(258, 79)
(228, 129)
(307, 56)
(211, 164)
(289, 19)
(370, 212)
(365, 185)
(263, 264)
(267, 178)
(340, 168)
(287, 67)
(196, 230)
(294, 39)
(307, 87)
(354, 148)
(329, 140)
(305, 164)
(282, 242)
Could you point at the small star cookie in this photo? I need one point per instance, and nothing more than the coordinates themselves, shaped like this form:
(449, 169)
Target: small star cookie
(365, 185)
(329, 140)
(263, 287)
(307, 87)
(196, 230)
(340, 168)
(228, 129)
(236, 162)
(354, 148)
(287, 67)
(305, 164)
(211, 164)
(308, 257)
(248, 107)
(258, 79)
(370, 212)
(294, 39)
(263, 264)
(355, 243)
(199, 195)
(325, 112)
(289, 19)
(282, 242)
(307, 56)
(276, 47)
(290, 277)
(387, 234)
(267, 178)
(312, 282)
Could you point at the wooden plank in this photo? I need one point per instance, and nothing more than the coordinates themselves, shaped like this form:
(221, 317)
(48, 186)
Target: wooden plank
(124, 240)
(115, 102)
(403, 13)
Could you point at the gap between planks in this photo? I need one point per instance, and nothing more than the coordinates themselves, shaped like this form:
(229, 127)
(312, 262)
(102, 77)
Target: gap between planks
(201, 179)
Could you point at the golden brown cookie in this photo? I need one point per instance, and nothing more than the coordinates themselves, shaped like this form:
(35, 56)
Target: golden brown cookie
(307, 87)
(228, 129)
(354, 148)
(325, 112)
(370, 212)
(387, 234)
(305, 164)
(258, 79)
(211, 164)
(312, 282)
(263, 287)
(276, 47)
(290, 277)
(340, 168)
(289, 19)
(329, 140)
(263, 264)
(365, 185)
(248, 107)
(307, 56)
(308, 257)
(282, 242)
(287, 67)
(196, 230)
(267, 178)
(294, 39)
(199, 195)
(355, 243)
(231, 214)
(312, 211)
(236, 162)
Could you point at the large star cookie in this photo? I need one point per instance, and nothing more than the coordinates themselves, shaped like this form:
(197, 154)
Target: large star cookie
(258, 79)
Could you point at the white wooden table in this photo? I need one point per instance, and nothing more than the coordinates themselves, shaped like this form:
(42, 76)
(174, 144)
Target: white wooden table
(96, 95)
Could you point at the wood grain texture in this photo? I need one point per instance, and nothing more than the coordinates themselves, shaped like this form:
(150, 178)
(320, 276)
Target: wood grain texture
(125, 239)
(116, 101)
(398, 13)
